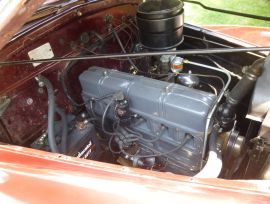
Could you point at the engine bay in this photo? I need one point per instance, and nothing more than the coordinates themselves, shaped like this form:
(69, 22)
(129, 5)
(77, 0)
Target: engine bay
(190, 114)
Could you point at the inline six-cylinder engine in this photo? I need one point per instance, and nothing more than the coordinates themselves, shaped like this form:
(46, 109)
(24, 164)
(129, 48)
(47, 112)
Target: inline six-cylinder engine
(155, 124)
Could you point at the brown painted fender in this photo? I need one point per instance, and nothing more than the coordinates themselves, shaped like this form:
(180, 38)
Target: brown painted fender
(258, 36)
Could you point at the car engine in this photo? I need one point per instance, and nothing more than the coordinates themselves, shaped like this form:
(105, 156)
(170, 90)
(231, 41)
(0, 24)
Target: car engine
(136, 86)
(162, 119)
(159, 112)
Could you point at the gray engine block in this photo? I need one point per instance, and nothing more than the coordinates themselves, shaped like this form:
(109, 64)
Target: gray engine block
(180, 109)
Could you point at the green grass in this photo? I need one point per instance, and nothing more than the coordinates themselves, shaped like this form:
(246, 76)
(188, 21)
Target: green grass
(194, 14)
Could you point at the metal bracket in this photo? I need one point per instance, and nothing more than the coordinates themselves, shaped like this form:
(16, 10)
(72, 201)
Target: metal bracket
(265, 127)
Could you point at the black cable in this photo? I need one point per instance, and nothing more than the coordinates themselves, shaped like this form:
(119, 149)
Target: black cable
(68, 67)
(64, 86)
(207, 41)
(263, 18)
(140, 136)
(104, 117)
(103, 97)
(110, 146)
(185, 140)
(211, 76)
(211, 87)
(123, 49)
(97, 100)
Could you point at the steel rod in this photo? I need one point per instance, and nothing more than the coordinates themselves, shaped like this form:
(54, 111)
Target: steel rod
(140, 54)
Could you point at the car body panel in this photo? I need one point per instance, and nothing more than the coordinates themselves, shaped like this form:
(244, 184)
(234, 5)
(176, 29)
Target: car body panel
(258, 36)
(13, 14)
(33, 176)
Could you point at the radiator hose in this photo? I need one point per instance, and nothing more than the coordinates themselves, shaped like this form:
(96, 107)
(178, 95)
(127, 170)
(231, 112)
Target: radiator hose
(51, 111)
(226, 115)
(64, 125)
(226, 111)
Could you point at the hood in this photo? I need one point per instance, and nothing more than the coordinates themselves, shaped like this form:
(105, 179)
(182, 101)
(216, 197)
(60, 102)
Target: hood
(13, 14)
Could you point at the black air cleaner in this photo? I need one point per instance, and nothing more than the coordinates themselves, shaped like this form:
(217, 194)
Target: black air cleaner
(160, 24)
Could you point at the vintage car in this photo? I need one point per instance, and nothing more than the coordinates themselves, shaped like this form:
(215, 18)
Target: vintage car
(120, 101)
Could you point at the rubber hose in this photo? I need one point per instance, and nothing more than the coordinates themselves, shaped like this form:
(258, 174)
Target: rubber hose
(243, 87)
(51, 111)
(226, 113)
(64, 124)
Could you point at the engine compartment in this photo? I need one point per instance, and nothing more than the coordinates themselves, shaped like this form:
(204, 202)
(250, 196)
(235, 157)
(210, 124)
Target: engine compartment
(154, 112)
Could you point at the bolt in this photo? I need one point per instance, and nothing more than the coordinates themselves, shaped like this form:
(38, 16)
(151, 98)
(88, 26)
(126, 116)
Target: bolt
(83, 115)
(167, 89)
(155, 114)
(40, 90)
(79, 13)
(226, 93)
(218, 146)
(85, 121)
(40, 84)
(192, 168)
(29, 101)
